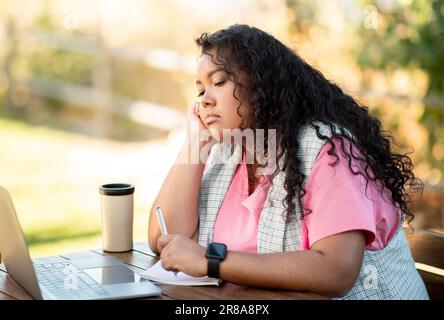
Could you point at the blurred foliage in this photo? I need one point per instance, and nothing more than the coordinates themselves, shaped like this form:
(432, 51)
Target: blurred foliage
(149, 84)
(53, 62)
(71, 67)
(27, 62)
(305, 12)
(410, 34)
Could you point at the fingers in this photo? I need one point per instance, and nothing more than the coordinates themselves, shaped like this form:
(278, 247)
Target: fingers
(168, 266)
(163, 241)
(193, 112)
(197, 109)
(194, 107)
(165, 253)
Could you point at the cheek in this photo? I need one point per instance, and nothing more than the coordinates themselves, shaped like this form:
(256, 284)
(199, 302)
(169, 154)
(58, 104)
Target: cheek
(234, 120)
(237, 116)
(231, 117)
(228, 108)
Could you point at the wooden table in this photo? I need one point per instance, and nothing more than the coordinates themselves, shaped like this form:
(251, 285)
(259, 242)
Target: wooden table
(141, 258)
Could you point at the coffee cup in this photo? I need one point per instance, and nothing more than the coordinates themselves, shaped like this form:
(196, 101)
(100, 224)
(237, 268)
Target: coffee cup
(117, 206)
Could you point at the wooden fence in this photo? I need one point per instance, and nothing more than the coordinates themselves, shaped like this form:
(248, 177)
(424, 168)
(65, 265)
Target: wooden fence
(99, 97)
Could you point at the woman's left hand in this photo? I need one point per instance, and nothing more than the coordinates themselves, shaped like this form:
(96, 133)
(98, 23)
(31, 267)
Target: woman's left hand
(179, 253)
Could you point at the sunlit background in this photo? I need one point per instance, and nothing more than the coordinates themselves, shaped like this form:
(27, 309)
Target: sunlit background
(93, 92)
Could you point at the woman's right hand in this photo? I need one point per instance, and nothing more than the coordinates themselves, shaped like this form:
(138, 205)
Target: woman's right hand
(197, 132)
(199, 137)
(195, 126)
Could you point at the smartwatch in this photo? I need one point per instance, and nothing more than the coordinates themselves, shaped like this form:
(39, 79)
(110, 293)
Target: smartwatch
(216, 253)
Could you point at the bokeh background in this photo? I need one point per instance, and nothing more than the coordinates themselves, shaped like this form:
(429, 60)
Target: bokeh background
(95, 91)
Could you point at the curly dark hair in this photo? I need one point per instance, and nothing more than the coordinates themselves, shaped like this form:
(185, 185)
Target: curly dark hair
(286, 93)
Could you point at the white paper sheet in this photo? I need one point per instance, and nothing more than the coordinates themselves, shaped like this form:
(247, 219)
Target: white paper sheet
(158, 274)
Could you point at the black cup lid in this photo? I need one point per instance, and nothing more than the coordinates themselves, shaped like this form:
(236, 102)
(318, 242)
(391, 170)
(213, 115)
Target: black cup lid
(117, 189)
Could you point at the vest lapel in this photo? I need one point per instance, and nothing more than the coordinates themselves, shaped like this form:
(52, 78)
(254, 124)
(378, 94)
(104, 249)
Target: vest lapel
(271, 228)
(214, 186)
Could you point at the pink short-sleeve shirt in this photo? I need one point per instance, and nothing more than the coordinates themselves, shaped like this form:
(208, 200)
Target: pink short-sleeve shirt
(336, 201)
(238, 217)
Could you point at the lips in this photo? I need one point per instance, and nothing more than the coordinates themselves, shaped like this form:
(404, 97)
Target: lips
(211, 117)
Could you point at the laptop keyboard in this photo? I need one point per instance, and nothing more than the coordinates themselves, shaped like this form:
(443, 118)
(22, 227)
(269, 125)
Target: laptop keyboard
(66, 281)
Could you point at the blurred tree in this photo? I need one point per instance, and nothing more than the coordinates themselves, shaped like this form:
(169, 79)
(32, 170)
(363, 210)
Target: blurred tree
(410, 34)
(304, 15)
(8, 106)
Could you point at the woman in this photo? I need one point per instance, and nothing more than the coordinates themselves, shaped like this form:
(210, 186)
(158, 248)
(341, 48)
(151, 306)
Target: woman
(328, 219)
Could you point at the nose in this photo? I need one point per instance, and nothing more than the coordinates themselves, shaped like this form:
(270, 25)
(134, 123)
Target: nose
(207, 101)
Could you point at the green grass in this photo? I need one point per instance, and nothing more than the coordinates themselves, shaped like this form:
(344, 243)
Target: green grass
(53, 177)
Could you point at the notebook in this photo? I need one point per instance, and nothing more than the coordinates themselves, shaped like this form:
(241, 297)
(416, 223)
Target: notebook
(158, 274)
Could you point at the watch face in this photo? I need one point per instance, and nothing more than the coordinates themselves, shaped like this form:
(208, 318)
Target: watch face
(216, 251)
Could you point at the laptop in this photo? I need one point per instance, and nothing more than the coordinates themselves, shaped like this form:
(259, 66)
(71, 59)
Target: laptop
(80, 279)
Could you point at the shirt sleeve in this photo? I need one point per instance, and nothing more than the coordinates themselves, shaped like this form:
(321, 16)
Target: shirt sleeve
(335, 199)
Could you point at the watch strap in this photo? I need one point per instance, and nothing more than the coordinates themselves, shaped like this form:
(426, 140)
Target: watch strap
(213, 268)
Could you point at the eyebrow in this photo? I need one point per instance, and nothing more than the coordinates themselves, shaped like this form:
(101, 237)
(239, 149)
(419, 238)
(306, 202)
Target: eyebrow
(210, 73)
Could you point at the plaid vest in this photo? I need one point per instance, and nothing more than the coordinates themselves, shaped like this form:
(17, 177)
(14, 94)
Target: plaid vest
(389, 273)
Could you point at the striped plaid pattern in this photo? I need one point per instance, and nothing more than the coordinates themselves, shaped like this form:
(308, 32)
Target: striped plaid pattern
(389, 274)
(385, 274)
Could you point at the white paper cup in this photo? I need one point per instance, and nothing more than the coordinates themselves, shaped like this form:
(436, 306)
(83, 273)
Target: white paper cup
(117, 205)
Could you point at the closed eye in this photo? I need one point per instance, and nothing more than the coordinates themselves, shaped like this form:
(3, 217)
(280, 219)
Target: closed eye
(218, 84)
